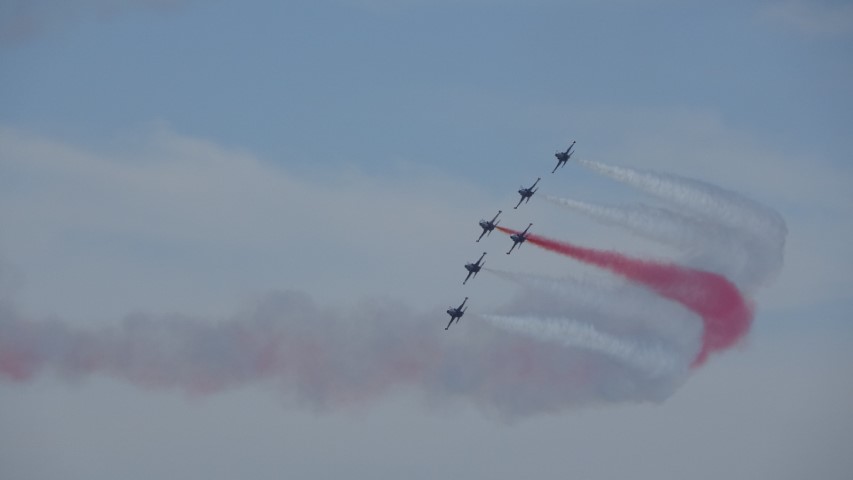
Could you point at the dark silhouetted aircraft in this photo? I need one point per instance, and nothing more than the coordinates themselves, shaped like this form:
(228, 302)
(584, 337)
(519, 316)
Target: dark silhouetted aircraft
(456, 313)
(526, 193)
(473, 268)
(518, 238)
(488, 226)
(563, 157)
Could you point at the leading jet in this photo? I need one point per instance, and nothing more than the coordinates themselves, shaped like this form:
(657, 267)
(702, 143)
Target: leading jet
(526, 193)
(474, 268)
(456, 313)
(563, 157)
(519, 238)
(489, 225)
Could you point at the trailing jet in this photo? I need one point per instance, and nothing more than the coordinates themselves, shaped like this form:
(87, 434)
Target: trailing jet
(526, 193)
(488, 225)
(563, 157)
(518, 238)
(474, 268)
(456, 313)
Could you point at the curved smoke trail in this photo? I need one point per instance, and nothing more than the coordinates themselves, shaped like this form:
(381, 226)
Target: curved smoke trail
(655, 223)
(639, 316)
(725, 313)
(655, 360)
(702, 198)
(708, 244)
(757, 224)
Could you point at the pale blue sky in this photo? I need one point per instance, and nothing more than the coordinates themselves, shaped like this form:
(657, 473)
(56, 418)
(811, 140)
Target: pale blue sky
(188, 157)
(457, 84)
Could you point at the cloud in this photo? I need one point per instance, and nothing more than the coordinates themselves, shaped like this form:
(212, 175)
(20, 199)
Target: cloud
(167, 217)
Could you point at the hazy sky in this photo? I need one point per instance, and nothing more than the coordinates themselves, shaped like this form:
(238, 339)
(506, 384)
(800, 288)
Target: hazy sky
(187, 158)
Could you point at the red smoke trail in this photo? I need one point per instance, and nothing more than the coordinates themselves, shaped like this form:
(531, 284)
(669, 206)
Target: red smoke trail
(726, 314)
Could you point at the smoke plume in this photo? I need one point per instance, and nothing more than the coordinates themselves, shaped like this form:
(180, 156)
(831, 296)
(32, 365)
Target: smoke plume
(321, 358)
(759, 229)
(725, 313)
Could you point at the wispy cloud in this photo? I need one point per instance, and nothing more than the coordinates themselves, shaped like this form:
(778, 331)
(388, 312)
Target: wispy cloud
(164, 202)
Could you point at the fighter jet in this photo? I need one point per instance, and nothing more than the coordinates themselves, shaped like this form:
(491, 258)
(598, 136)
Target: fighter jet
(456, 313)
(488, 226)
(473, 268)
(518, 238)
(563, 157)
(526, 193)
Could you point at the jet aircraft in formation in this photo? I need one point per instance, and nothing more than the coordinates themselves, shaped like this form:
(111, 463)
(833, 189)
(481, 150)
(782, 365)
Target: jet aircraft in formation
(456, 313)
(563, 157)
(519, 238)
(474, 268)
(489, 225)
(526, 193)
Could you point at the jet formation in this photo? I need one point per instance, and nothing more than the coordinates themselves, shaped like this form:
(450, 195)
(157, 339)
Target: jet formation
(474, 268)
(526, 193)
(517, 238)
(489, 225)
(563, 157)
(456, 313)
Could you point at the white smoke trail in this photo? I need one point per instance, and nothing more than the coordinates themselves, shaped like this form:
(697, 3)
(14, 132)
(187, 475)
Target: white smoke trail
(616, 307)
(653, 360)
(708, 244)
(704, 199)
(655, 223)
(721, 231)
